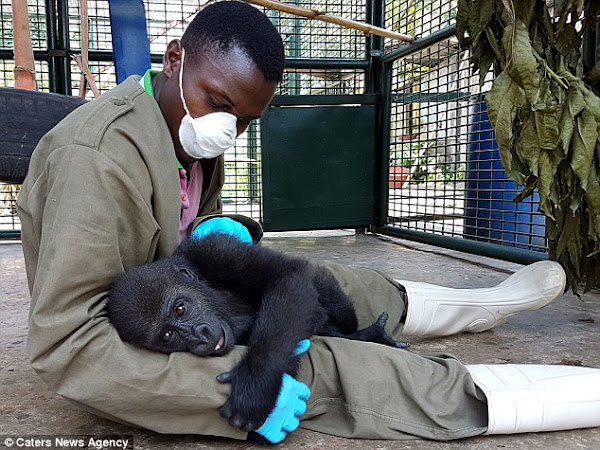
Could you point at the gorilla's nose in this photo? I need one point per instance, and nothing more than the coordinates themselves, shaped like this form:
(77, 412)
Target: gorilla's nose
(203, 332)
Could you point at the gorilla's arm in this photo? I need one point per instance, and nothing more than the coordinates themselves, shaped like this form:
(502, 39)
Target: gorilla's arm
(288, 312)
(227, 263)
(281, 323)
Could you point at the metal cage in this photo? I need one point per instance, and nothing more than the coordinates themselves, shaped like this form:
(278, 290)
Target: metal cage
(440, 177)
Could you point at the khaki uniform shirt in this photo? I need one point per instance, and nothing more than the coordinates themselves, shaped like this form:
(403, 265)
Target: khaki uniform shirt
(102, 195)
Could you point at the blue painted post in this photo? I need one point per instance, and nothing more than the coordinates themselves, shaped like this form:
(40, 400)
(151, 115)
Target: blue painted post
(131, 47)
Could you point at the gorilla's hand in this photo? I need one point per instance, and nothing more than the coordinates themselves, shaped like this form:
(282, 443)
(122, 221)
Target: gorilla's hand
(283, 418)
(253, 395)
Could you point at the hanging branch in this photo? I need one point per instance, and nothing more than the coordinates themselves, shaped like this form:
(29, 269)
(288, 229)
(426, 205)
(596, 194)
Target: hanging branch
(545, 111)
(324, 17)
(24, 63)
(82, 59)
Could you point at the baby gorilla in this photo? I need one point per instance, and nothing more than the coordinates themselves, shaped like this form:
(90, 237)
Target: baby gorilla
(215, 292)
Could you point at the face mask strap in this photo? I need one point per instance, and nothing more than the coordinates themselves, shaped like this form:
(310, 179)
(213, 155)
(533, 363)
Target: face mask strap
(181, 83)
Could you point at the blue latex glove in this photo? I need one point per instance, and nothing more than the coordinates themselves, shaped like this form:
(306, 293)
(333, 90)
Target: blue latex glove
(290, 404)
(223, 225)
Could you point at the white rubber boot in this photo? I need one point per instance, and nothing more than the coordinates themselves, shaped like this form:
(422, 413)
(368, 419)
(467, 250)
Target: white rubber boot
(532, 398)
(440, 311)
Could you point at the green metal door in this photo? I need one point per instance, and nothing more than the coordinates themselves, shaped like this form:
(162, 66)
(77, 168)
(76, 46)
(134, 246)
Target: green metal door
(319, 165)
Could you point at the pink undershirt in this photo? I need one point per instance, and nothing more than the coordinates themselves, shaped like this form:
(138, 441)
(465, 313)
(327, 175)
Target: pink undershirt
(191, 191)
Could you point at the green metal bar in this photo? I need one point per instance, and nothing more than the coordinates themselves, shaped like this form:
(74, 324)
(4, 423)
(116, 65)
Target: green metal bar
(504, 252)
(51, 39)
(369, 17)
(384, 165)
(420, 44)
(326, 63)
(295, 50)
(63, 63)
(374, 45)
(10, 234)
(295, 100)
(430, 97)
(252, 154)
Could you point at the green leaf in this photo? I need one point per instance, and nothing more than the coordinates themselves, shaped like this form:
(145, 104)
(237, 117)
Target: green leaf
(524, 10)
(549, 161)
(528, 145)
(593, 199)
(583, 144)
(546, 125)
(502, 102)
(522, 65)
(463, 23)
(568, 43)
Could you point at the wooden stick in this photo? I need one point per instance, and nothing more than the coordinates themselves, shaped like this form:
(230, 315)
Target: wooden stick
(24, 64)
(318, 15)
(82, 60)
(86, 76)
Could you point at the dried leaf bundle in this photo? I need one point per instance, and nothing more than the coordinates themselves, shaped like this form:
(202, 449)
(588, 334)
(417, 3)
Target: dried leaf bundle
(545, 111)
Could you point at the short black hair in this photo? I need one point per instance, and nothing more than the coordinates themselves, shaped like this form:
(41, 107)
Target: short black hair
(225, 24)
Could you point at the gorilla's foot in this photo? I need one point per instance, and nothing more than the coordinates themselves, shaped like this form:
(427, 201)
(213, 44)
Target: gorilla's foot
(440, 311)
(376, 333)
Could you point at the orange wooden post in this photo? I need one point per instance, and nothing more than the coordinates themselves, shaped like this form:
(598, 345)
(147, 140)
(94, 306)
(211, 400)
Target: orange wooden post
(24, 64)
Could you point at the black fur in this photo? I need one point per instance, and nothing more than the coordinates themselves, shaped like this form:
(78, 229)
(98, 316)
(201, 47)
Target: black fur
(215, 292)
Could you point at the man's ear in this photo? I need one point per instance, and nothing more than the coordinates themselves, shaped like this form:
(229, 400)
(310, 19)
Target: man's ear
(172, 57)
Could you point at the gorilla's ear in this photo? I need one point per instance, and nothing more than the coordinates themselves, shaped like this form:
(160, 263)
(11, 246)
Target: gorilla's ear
(186, 271)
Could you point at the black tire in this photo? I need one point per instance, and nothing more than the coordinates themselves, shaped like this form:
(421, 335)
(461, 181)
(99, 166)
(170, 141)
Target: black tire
(25, 116)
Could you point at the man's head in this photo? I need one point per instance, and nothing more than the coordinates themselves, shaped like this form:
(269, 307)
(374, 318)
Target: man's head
(233, 61)
(221, 26)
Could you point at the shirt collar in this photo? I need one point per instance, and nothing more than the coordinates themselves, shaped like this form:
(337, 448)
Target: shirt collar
(146, 83)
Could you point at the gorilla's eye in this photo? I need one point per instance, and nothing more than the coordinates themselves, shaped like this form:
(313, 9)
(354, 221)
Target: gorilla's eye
(180, 309)
(167, 336)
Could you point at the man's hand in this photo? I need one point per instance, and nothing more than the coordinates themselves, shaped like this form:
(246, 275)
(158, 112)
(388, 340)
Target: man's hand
(223, 225)
(290, 405)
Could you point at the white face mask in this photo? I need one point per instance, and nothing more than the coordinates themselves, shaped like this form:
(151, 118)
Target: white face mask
(207, 136)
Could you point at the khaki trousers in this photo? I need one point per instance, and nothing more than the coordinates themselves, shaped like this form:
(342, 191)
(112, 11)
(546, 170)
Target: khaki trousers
(366, 390)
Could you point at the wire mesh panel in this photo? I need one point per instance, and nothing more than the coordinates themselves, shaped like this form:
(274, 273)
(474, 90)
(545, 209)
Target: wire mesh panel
(37, 24)
(165, 20)
(9, 221)
(321, 82)
(304, 38)
(312, 39)
(445, 173)
(418, 18)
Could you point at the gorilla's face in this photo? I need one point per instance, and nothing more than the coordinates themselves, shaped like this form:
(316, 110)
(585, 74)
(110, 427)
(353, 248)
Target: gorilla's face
(190, 322)
(167, 308)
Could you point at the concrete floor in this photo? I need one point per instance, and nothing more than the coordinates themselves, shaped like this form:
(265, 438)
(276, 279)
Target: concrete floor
(566, 332)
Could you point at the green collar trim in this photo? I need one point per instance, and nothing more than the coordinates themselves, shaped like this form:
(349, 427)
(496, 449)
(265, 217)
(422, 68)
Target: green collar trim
(147, 80)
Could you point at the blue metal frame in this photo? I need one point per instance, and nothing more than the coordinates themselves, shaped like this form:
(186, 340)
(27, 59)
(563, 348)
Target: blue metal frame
(131, 47)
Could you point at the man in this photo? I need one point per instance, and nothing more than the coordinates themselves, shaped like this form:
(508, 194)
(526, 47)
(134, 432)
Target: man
(121, 180)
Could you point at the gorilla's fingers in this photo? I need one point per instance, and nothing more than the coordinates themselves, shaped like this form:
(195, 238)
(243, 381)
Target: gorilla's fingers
(225, 411)
(382, 319)
(224, 377)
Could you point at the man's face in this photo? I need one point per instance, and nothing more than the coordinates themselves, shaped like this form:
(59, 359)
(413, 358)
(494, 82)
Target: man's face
(214, 82)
